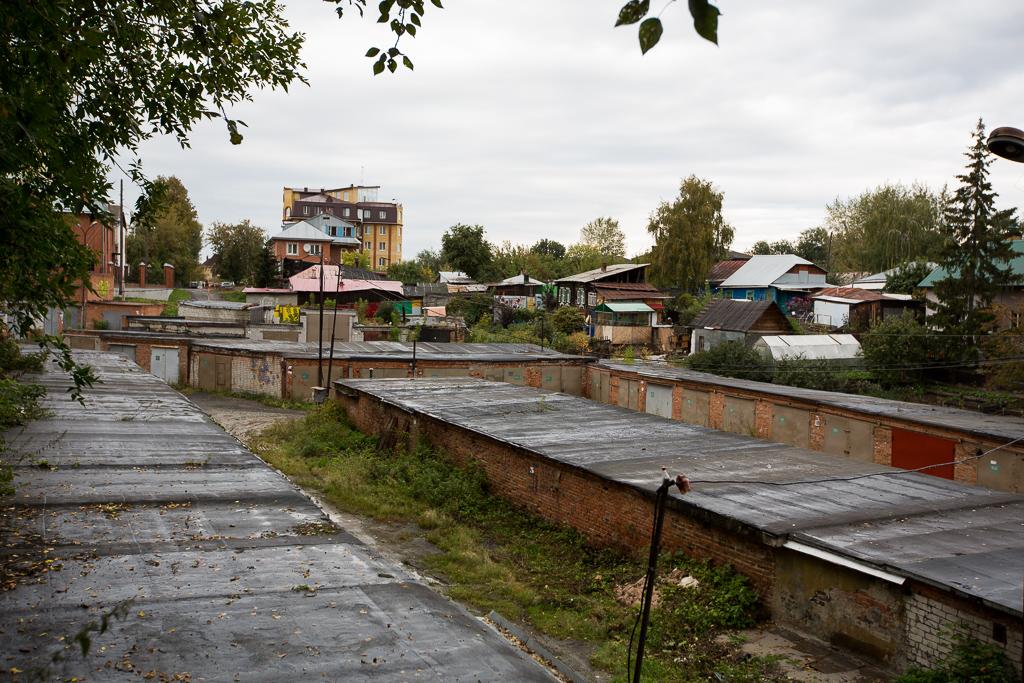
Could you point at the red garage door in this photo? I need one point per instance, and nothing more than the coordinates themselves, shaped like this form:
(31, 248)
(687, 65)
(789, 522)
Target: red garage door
(911, 450)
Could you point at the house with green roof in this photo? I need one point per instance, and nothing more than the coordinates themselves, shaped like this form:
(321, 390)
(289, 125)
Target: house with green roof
(1009, 303)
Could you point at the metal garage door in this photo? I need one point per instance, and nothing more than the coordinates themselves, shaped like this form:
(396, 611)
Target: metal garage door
(659, 400)
(436, 372)
(214, 372)
(163, 362)
(514, 376)
(849, 438)
(572, 380)
(123, 350)
(911, 450)
(599, 386)
(695, 407)
(551, 377)
(629, 393)
(791, 425)
(738, 416)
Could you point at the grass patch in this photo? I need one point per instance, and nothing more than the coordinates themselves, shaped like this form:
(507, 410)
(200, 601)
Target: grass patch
(493, 555)
(269, 401)
(236, 295)
(171, 307)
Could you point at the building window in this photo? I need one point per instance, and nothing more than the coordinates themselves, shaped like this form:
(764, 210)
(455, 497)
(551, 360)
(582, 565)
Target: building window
(305, 209)
(563, 296)
(314, 249)
(366, 214)
(382, 245)
(381, 214)
(348, 232)
(749, 295)
(334, 230)
(368, 246)
(345, 212)
(399, 232)
(579, 297)
(292, 248)
(380, 262)
(330, 210)
(383, 230)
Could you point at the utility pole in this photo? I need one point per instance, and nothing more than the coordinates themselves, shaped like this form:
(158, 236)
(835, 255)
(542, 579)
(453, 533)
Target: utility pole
(120, 245)
(334, 325)
(320, 340)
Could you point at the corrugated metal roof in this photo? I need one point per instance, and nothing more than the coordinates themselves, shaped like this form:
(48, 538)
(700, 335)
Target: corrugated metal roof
(518, 280)
(735, 315)
(302, 231)
(217, 304)
(721, 271)
(624, 308)
(601, 273)
(850, 293)
(763, 270)
(455, 277)
(810, 346)
(892, 521)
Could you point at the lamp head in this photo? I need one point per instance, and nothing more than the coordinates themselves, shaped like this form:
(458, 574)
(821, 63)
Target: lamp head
(1008, 143)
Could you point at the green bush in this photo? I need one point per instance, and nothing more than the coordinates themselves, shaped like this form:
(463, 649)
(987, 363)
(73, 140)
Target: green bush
(897, 349)
(566, 320)
(472, 307)
(732, 359)
(823, 374)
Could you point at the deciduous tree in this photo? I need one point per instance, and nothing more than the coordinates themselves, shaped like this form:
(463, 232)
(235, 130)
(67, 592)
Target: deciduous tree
(166, 229)
(606, 237)
(689, 236)
(464, 248)
(238, 250)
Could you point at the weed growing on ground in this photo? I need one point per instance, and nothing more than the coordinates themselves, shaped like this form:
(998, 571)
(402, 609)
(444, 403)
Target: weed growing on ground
(495, 556)
(970, 661)
(269, 401)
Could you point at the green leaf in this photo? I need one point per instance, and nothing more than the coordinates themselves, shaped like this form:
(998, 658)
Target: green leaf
(373, 52)
(705, 19)
(416, 19)
(392, 65)
(407, 62)
(378, 68)
(411, 29)
(633, 11)
(650, 33)
(437, 4)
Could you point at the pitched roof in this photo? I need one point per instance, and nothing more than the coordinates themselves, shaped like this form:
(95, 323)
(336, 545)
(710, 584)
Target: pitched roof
(308, 280)
(1016, 266)
(734, 315)
(764, 269)
(810, 346)
(624, 308)
(601, 273)
(851, 293)
(629, 290)
(518, 280)
(723, 269)
(455, 277)
(302, 231)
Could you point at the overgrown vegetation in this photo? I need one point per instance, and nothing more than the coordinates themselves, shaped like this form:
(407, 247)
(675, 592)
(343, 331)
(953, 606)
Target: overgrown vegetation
(269, 401)
(19, 401)
(171, 307)
(970, 661)
(495, 556)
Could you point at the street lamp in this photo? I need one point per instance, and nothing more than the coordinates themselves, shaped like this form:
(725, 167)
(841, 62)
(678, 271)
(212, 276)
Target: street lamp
(1008, 143)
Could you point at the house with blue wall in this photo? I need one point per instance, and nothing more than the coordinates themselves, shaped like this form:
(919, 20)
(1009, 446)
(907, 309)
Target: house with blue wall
(782, 278)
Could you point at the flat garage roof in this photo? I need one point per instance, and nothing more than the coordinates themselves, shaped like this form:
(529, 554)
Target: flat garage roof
(965, 539)
(153, 502)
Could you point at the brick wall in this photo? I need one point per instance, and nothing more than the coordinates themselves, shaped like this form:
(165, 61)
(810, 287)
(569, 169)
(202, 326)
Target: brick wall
(256, 374)
(1003, 471)
(934, 621)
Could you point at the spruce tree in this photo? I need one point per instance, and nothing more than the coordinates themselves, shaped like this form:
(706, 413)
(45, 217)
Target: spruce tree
(976, 255)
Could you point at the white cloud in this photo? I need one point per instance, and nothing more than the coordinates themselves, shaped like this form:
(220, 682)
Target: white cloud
(535, 116)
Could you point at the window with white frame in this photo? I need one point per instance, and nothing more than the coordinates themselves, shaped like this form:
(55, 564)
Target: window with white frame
(366, 214)
(368, 246)
(305, 210)
(382, 214)
(382, 246)
(381, 261)
(579, 297)
(383, 230)
(345, 212)
(292, 248)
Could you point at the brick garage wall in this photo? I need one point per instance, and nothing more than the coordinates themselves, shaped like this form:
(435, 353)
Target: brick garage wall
(606, 512)
(1007, 474)
(935, 619)
(256, 374)
(144, 350)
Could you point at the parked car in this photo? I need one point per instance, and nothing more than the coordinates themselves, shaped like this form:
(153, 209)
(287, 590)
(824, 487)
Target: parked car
(227, 284)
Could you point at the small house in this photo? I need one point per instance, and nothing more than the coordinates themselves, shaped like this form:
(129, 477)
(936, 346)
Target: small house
(837, 347)
(632, 324)
(785, 279)
(741, 320)
(581, 289)
(859, 308)
(1008, 303)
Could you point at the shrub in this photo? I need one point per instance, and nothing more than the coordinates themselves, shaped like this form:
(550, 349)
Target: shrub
(472, 307)
(384, 310)
(577, 343)
(970, 661)
(732, 359)
(896, 349)
(566, 319)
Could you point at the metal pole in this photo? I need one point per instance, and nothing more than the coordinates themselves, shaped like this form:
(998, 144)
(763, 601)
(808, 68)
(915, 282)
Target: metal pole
(652, 562)
(120, 239)
(334, 325)
(320, 339)
(414, 356)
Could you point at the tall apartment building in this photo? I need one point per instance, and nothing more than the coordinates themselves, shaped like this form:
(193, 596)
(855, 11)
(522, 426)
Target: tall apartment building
(378, 224)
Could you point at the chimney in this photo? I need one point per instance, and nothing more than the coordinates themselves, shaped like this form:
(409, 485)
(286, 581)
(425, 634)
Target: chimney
(526, 278)
(142, 274)
(604, 267)
(168, 276)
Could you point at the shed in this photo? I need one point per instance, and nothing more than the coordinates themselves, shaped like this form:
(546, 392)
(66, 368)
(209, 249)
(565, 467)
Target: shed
(859, 308)
(844, 347)
(736, 320)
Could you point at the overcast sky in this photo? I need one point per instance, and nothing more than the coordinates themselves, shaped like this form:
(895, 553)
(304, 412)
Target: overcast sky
(533, 117)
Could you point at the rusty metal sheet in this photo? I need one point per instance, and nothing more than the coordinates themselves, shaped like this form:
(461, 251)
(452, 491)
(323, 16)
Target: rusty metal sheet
(738, 416)
(911, 450)
(659, 400)
(848, 437)
(791, 425)
(551, 377)
(572, 380)
(696, 407)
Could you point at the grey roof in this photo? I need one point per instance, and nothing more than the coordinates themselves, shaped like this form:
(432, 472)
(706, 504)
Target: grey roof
(763, 270)
(735, 315)
(150, 501)
(302, 231)
(518, 280)
(455, 277)
(424, 288)
(601, 273)
(963, 539)
(387, 350)
(995, 427)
